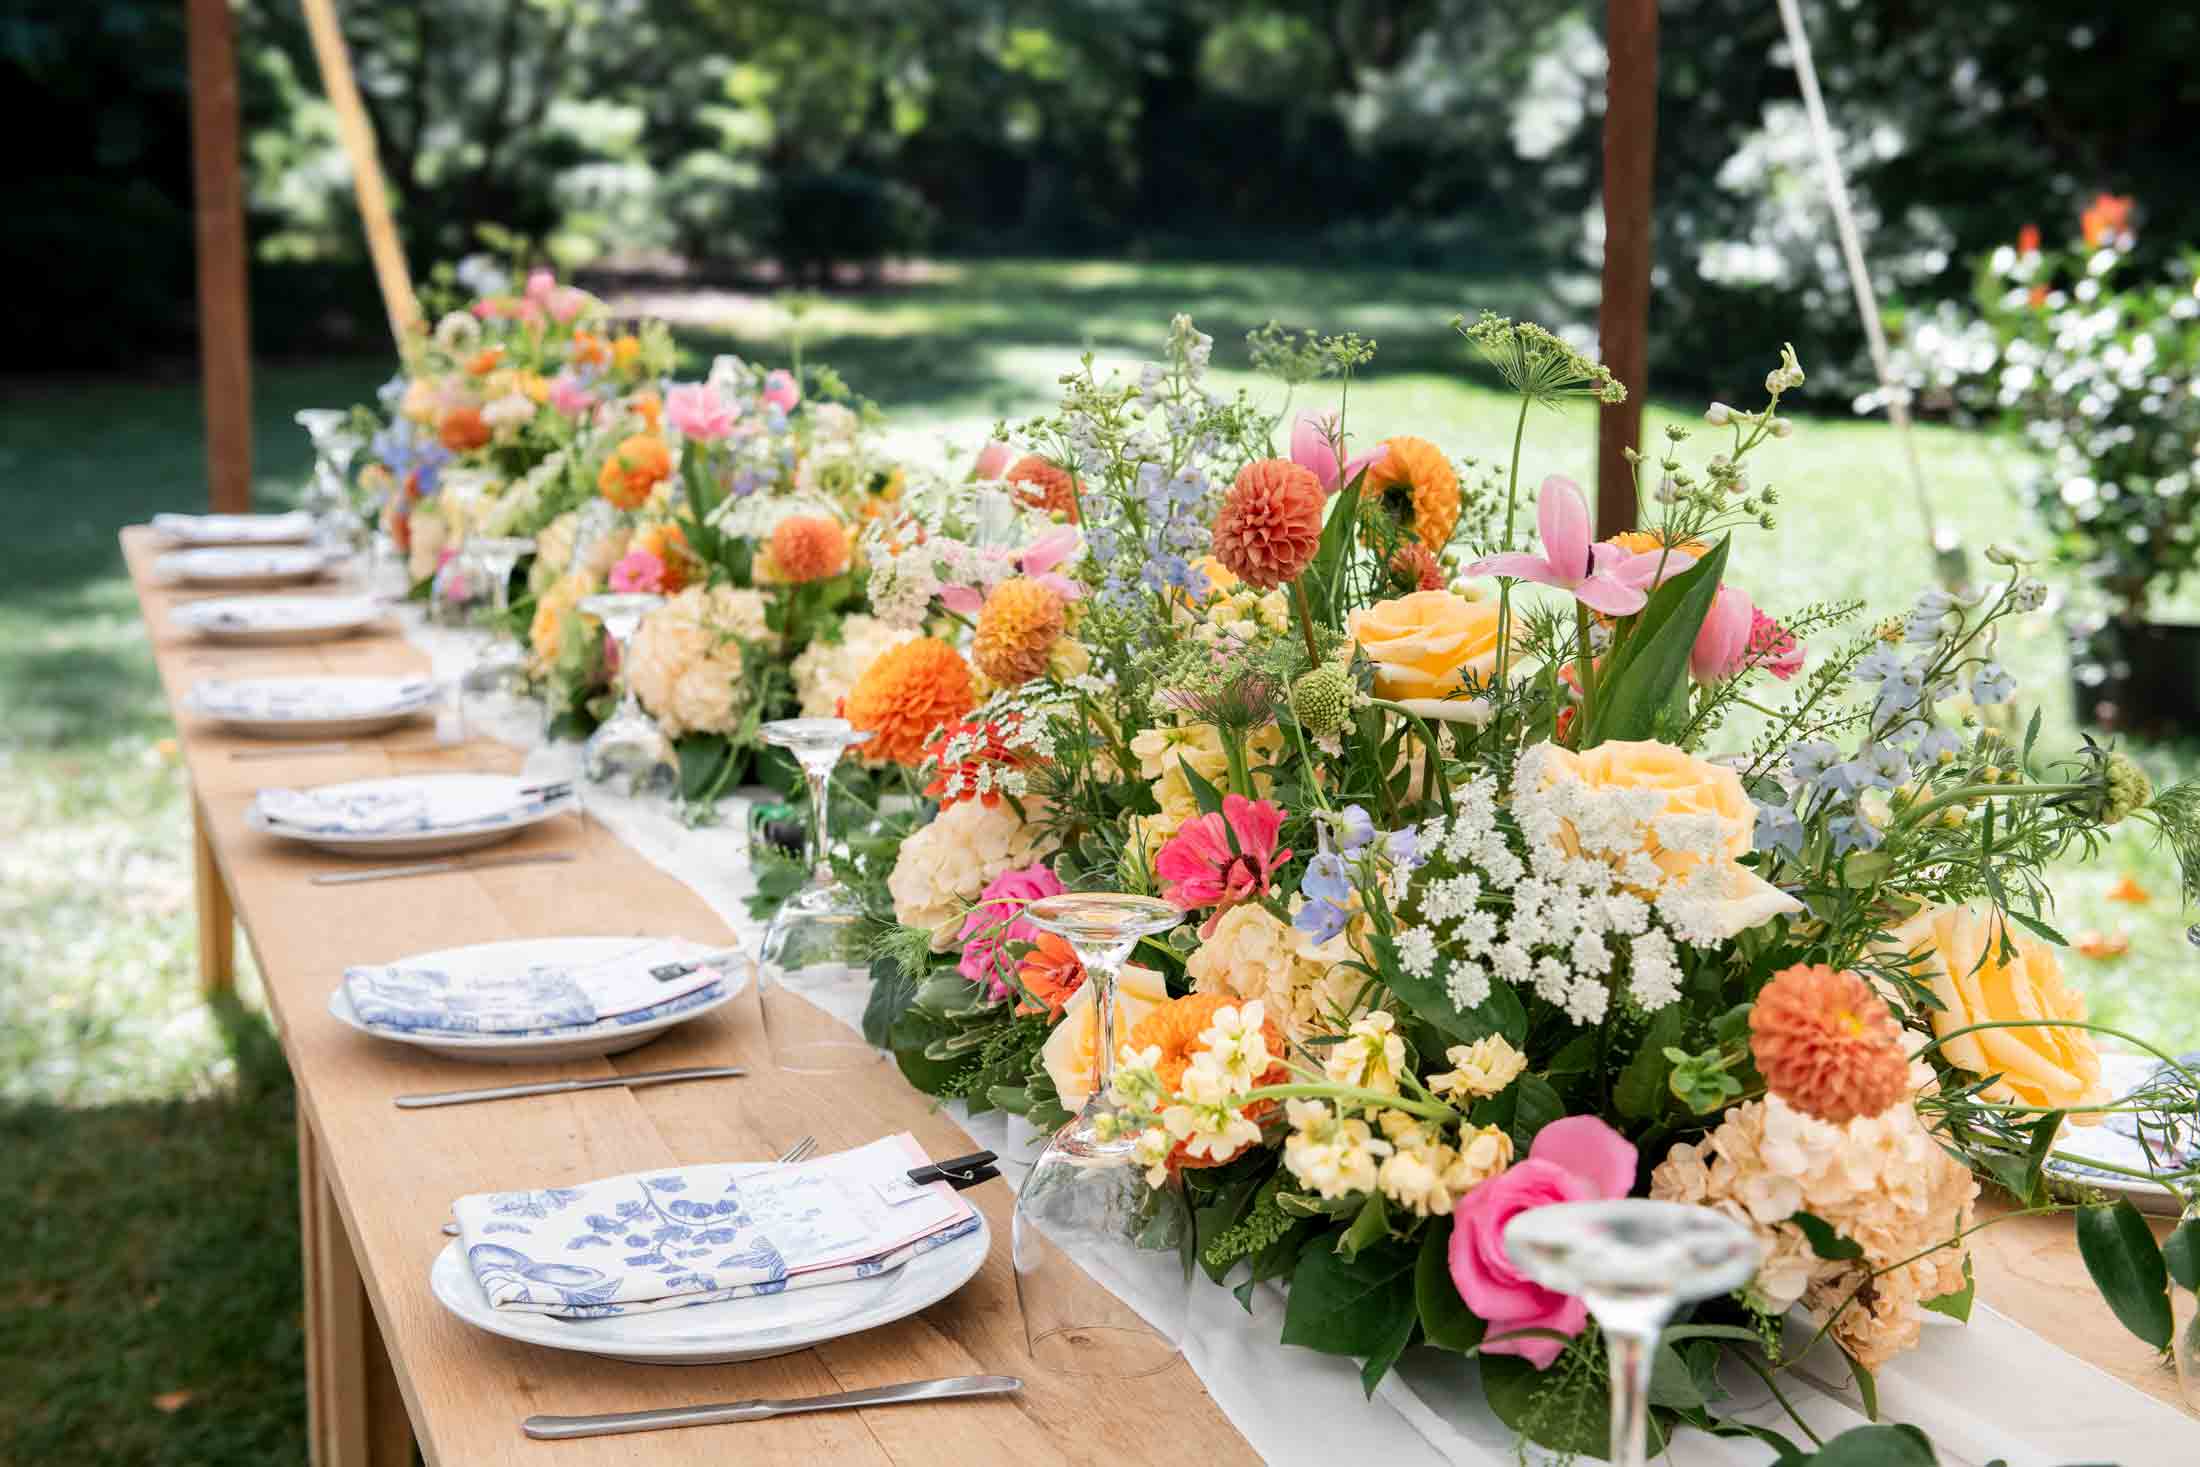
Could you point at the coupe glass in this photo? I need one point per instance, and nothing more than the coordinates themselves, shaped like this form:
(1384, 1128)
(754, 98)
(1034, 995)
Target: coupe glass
(502, 666)
(814, 946)
(1103, 1260)
(1633, 1262)
(628, 746)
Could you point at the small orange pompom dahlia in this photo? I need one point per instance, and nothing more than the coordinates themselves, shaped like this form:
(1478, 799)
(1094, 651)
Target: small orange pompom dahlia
(635, 467)
(1046, 485)
(1174, 1028)
(1017, 627)
(1416, 482)
(1416, 568)
(906, 697)
(485, 362)
(1827, 1044)
(808, 547)
(1271, 522)
(462, 429)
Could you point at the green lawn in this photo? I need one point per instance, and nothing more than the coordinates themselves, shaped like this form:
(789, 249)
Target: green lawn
(148, 1136)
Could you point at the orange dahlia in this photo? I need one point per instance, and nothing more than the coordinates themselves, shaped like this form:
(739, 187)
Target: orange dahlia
(1271, 522)
(1050, 973)
(668, 542)
(485, 362)
(1827, 1044)
(906, 697)
(1415, 567)
(2106, 218)
(1017, 627)
(1047, 486)
(1416, 483)
(635, 467)
(808, 547)
(1174, 1028)
(588, 350)
(462, 429)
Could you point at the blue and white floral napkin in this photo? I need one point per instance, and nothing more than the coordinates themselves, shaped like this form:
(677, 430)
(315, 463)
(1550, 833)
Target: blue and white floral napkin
(700, 1234)
(345, 809)
(650, 981)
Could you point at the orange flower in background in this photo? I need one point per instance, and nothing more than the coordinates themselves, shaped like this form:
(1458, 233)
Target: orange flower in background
(1635, 542)
(1017, 627)
(635, 467)
(2128, 889)
(588, 350)
(807, 548)
(1050, 973)
(650, 409)
(2102, 946)
(1413, 475)
(462, 429)
(2036, 296)
(1416, 569)
(974, 747)
(486, 362)
(906, 697)
(668, 542)
(1271, 522)
(1046, 486)
(1827, 1044)
(535, 386)
(2106, 219)
(625, 352)
(1174, 1028)
(2028, 240)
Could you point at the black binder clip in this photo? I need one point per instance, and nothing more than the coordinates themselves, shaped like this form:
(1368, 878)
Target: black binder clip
(961, 1173)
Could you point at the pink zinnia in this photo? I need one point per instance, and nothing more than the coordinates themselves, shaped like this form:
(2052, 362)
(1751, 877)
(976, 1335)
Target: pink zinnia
(638, 570)
(997, 919)
(569, 397)
(781, 390)
(1219, 860)
(698, 412)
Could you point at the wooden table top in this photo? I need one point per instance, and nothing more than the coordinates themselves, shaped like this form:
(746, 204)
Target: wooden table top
(395, 1172)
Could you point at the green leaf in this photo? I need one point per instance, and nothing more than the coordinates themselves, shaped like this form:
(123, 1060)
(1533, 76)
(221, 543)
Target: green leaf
(1867, 1386)
(1958, 1304)
(2039, 928)
(1203, 790)
(892, 991)
(1640, 1091)
(1446, 1322)
(1377, 1365)
(1361, 1306)
(1869, 1446)
(1221, 1213)
(1567, 1411)
(1824, 1240)
(1372, 1226)
(2181, 1254)
(2120, 1252)
(1650, 664)
(1325, 572)
(2021, 1174)
(1536, 1105)
(1500, 1013)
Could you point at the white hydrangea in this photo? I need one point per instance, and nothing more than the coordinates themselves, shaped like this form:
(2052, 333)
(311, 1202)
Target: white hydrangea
(825, 671)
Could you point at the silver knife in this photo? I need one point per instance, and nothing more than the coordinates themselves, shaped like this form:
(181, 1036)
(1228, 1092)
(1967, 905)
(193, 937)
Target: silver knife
(565, 1428)
(290, 751)
(566, 1087)
(436, 868)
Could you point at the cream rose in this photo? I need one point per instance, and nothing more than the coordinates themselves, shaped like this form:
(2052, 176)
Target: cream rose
(1427, 645)
(1957, 952)
(944, 867)
(1072, 1052)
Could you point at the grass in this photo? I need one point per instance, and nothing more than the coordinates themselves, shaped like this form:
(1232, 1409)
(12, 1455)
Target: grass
(150, 1196)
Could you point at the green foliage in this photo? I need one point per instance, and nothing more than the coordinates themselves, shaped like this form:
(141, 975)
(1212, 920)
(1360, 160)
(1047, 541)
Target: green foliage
(1645, 670)
(1446, 1322)
(1824, 1240)
(1868, 1446)
(1362, 1306)
(2127, 1266)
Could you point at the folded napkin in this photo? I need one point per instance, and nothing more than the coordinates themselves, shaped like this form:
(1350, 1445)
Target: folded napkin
(699, 1234)
(650, 981)
(312, 698)
(336, 811)
(266, 528)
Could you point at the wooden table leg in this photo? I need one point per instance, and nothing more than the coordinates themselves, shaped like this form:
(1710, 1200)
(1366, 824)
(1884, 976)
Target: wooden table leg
(355, 1415)
(217, 918)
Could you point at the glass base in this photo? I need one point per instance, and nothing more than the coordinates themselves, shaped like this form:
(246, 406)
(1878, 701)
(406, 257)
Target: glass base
(814, 958)
(1103, 1265)
(1111, 1351)
(631, 750)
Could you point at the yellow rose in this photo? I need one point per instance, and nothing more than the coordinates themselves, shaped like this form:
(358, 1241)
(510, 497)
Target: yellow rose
(1072, 1052)
(1428, 644)
(1957, 952)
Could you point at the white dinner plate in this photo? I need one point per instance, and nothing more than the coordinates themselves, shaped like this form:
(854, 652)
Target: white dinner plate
(461, 812)
(608, 1037)
(265, 620)
(292, 528)
(732, 1329)
(311, 707)
(240, 565)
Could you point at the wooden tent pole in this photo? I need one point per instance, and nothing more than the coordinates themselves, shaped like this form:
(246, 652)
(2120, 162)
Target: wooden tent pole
(383, 245)
(1623, 315)
(217, 208)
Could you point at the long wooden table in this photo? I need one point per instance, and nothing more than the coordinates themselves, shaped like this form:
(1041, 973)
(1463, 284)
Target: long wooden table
(386, 1365)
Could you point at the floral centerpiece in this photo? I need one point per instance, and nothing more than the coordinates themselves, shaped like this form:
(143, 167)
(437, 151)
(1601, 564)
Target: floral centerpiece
(1516, 866)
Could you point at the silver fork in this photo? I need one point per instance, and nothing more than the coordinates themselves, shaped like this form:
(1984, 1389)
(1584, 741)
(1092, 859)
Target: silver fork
(801, 1150)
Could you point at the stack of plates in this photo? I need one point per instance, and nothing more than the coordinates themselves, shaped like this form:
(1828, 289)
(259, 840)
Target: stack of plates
(294, 528)
(238, 565)
(409, 815)
(311, 707)
(271, 619)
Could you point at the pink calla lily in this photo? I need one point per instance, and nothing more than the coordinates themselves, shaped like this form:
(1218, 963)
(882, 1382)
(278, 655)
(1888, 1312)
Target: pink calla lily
(1311, 448)
(993, 460)
(1723, 640)
(1602, 577)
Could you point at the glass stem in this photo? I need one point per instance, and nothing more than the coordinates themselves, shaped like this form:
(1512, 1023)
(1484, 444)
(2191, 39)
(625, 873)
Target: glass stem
(1631, 1355)
(821, 865)
(1103, 998)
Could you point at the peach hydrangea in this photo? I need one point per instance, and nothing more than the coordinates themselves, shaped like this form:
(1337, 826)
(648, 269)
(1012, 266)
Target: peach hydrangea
(687, 665)
(945, 866)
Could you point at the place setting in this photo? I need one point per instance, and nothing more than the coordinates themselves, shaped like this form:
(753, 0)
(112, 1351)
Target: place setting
(243, 566)
(277, 620)
(291, 527)
(411, 814)
(312, 707)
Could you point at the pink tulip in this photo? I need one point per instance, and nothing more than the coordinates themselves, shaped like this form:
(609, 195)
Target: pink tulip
(1312, 448)
(781, 390)
(698, 412)
(569, 397)
(539, 284)
(993, 460)
(1576, 1159)
(1602, 577)
(1722, 643)
(1219, 860)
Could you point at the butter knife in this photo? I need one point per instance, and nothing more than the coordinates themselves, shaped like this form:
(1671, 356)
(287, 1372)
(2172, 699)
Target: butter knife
(566, 1087)
(565, 1428)
(436, 868)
